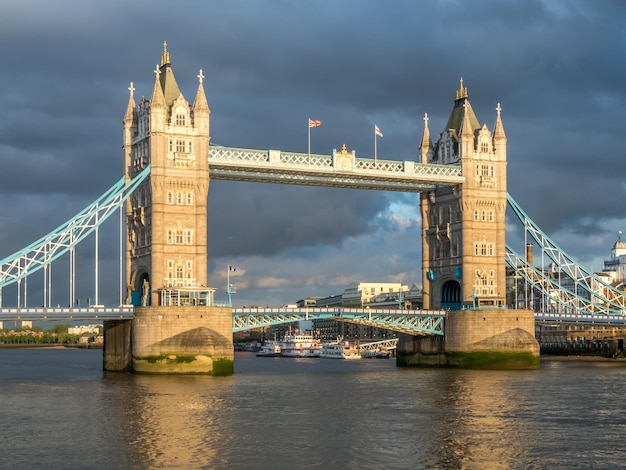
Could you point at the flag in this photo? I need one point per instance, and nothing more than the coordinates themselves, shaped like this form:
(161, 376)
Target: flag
(230, 268)
(313, 123)
(378, 132)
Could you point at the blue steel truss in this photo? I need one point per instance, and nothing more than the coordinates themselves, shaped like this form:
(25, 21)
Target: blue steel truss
(59, 241)
(568, 288)
(401, 321)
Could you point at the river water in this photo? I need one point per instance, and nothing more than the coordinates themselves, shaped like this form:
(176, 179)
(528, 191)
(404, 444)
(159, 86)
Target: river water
(58, 409)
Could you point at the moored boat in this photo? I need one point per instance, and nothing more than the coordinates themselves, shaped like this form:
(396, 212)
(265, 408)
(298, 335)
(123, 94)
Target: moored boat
(270, 349)
(340, 349)
(378, 354)
(300, 345)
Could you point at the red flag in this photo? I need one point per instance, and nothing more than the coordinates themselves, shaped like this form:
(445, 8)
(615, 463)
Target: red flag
(378, 132)
(313, 123)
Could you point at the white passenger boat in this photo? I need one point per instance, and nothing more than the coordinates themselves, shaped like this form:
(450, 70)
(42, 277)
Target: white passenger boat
(300, 345)
(270, 349)
(340, 349)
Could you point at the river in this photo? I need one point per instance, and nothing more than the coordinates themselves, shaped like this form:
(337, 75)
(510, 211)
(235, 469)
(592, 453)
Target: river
(58, 409)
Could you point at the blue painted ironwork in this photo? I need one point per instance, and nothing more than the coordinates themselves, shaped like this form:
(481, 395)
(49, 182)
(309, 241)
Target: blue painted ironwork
(417, 322)
(63, 238)
(579, 292)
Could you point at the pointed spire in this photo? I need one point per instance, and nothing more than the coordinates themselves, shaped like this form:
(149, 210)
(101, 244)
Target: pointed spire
(200, 102)
(200, 110)
(165, 58)
(426, 145)
(131, 107)
(498, 128)
(462, 91)
(466, 130)
(157, 98)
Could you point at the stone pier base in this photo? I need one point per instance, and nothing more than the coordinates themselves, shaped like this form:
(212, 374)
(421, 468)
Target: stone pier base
(117, 354)
(480, 339)
(175, 340)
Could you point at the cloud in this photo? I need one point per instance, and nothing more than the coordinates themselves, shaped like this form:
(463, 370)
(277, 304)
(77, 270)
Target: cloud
(269, 66)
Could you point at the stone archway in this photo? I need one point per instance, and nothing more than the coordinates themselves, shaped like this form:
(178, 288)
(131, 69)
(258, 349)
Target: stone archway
(140, 294)
(450, 296)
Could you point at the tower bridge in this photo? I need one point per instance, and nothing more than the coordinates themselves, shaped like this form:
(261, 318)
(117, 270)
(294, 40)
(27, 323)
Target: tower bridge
(168, 311)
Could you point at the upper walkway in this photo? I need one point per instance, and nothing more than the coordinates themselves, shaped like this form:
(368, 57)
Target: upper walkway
(341, 169)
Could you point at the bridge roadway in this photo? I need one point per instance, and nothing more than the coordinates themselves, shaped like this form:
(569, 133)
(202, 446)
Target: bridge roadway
(415, 322)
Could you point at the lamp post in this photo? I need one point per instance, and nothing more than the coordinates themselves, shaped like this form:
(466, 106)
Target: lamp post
(230, 289)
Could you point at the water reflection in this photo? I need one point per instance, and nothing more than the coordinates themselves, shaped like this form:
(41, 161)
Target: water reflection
(480, 422)
(171, 422)
(65, 412)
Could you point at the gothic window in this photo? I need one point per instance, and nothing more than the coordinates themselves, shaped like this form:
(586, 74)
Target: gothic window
(179, 198)
(170, 197)
(484, 147)
(170, 236)
(180, 146)
(190, 198)
(483, 249)
(476, 215)
(180, 119)
(490, 216)
(188, 237)
(171, 145)
(445, 215)
(179, 237)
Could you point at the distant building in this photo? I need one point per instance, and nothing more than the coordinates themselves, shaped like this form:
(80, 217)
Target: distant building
(83, 329)
(615, 268)
(359, 294)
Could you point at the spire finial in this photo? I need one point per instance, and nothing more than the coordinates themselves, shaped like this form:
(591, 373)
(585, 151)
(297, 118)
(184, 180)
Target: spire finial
(157, 71)
(498, 109)
(426, 119)
(200, 76)
(166, 55)
(462, 91)
(619, 234)
(131, 88)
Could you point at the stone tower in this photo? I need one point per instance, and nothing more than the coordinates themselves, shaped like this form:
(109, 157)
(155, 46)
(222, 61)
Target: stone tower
(166, 218)
(463, 227)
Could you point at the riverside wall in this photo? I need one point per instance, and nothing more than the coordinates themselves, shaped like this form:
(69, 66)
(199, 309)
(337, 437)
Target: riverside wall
(172, 340)
(482, 339)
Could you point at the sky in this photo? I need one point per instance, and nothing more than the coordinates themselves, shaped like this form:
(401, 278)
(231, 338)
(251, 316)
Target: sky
(557, 67)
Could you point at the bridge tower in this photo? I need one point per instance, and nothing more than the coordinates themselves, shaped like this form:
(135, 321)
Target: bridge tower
(166, 218)
(464, 253)
(176, 329)
(463, 231)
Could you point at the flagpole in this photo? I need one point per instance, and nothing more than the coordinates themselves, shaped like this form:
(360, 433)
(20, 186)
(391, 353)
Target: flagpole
(375, 149)
(309, 137)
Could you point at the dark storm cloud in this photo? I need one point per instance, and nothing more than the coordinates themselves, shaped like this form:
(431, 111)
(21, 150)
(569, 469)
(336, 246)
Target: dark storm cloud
(555, 67)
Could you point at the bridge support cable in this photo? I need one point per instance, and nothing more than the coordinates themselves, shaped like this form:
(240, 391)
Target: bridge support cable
(41, 253)
(556, 296)
(587, 293)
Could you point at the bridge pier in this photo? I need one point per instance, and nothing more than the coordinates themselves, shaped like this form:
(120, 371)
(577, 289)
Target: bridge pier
(476, 339)
(171, 340)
